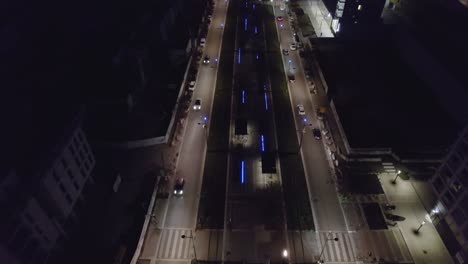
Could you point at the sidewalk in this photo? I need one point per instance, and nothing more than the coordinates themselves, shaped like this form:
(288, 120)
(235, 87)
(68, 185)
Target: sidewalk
(410, 198)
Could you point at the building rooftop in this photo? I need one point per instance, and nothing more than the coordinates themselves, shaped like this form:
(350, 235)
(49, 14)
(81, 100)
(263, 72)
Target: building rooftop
(380, 100)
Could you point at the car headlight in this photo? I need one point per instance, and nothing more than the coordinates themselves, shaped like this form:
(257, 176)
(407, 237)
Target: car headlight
(175, 192)
(181, 192)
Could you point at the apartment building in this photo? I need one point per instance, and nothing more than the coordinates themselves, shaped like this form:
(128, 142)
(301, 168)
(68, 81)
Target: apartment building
(39, 194)
(450, 184)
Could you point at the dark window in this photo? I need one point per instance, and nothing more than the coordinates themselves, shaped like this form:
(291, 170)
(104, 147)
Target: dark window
(69, 200)
(465, 232)
(75, 184)
(29, 218)
(438, 184)
(38, 229)
(64, 163)
(86, 165)
(55, 176)
(80, 136)
(62, 188)
(464, 176)
(446, 173)
(81, 154)
(83, 173)
(458, 216)
(70, 173)
(448, 199)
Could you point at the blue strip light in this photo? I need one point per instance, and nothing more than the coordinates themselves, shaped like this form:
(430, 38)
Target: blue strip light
(242, 172)
(245, 24)
(263, 143)
(256, 30)
(257, 56)
(238, 56)
(243, 96)
(253, 6)
(266, 101)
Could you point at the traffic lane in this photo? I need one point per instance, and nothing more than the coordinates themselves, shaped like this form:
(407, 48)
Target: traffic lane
(182, 211)
(328, 211)
(324, 198)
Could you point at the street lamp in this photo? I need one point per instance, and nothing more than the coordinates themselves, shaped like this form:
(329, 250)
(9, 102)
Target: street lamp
(420, 226)
(397, 175)
(192, 238)
(319, 261)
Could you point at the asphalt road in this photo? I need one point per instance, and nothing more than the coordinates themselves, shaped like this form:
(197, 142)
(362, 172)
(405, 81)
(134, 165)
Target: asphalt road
(182, 211)
(326, 208)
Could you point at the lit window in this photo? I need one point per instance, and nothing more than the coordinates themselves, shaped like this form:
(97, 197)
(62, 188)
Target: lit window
(359, 7)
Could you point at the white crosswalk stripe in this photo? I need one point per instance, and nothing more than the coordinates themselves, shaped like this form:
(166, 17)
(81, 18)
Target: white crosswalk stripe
(336, 251)
(173, 246)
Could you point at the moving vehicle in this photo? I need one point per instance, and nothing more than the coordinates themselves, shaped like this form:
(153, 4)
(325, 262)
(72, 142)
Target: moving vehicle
(179, 187)
(300, 109)
(285, 52)
(389, 207)
(206, 60)
(197, 104)
(291, 78)
(203, 42)
(280, 18)
(316, 133)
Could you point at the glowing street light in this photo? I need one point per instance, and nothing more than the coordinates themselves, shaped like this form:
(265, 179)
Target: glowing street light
(285, 253)
(420, 226)
(397, 175)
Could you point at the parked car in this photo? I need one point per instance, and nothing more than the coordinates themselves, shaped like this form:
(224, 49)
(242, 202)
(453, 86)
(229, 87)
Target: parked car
(389, 207)
(300, 109)
(394, 217)
(285, 52)
(316, 133)
(197, 104)
(293, 46)
(203, 42)
(191, 85)
(179, 187)
(291, 78)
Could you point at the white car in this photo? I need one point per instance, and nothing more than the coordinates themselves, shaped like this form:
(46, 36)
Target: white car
(202, 42)
(197, 104)
(293, 46)
(300, 109)
(191, 86)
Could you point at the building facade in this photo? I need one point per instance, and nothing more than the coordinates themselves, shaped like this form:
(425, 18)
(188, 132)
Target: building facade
(40, 202)
(450, 183)
(351, 13)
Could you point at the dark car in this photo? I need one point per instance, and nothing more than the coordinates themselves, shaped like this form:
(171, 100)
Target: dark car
(179, 186)
(291, 78)
(389, 207)
(206, 60)
(394, 217)
(317, 134)
(285, 52)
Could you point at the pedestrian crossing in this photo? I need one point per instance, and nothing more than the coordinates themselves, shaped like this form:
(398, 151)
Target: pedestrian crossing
(335, 251)
(389, 167)
(173, 246)
(384, 245)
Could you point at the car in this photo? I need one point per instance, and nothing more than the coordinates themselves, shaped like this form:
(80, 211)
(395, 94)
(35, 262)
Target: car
(191, 85)
(209, 17)
(291, 78)
(300, 109)
(206, 60)
(197, 104)
(279, 18)
(293, 46)
(299, 44)
(285, 52)
(203, 42)
(395, 217)
(389, 207)
(296, 37)
(179, 186)
(320, 114)
(316, 133)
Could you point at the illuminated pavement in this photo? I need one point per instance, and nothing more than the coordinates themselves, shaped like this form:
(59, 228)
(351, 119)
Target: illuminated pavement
(176, 216)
